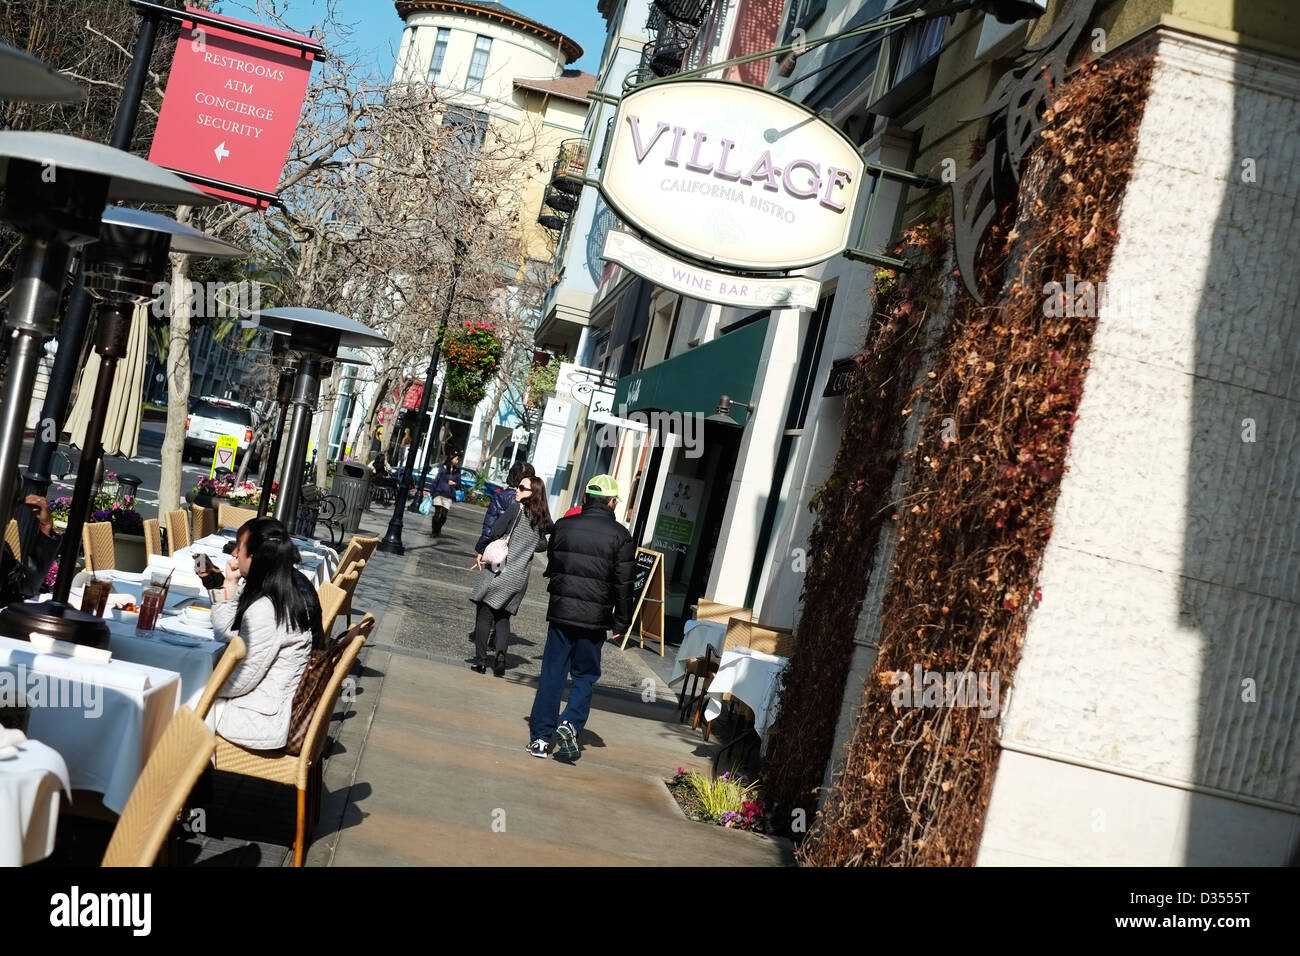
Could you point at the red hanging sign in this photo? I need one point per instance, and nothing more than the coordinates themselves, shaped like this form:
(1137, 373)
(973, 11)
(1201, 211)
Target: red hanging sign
(231, 109)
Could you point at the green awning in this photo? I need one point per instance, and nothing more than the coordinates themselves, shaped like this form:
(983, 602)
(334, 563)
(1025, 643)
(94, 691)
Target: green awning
(696, 379)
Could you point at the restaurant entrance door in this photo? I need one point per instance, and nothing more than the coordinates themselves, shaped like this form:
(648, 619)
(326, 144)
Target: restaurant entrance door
(688, 520)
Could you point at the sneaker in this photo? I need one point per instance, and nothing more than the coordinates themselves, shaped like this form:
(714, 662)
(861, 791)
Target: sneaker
(538, 748)
(567, 744)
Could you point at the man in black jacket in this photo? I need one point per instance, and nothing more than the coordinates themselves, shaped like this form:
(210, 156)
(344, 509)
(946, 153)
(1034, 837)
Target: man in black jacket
(591, 564)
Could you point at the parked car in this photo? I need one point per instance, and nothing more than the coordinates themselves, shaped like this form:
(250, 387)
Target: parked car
(209, 420)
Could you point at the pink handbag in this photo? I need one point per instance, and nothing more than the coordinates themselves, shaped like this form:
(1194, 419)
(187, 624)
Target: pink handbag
(497, 551)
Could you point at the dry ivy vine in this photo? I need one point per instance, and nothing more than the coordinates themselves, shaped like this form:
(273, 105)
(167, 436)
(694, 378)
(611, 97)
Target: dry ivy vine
(977, 514)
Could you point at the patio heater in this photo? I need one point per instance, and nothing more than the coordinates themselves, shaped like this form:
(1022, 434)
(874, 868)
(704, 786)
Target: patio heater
(55, 191)
(283, 398)
(316, 336)
(121, 271)
(29, 80)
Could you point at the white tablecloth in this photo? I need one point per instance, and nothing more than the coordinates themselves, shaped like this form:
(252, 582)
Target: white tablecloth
(318, 565)
(193, 664)
(29, 803)
(103, 719)
(697, 636)
(750, 677)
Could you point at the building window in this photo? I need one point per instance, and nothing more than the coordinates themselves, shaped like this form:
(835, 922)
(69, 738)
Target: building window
(922, 42)
(439, 53)
(478, 64)
(470, 127)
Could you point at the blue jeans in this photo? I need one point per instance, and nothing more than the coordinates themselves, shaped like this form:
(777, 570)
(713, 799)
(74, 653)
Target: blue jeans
(569, 650)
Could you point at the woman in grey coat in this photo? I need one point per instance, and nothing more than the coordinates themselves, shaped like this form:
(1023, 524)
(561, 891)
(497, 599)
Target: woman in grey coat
(497, 594)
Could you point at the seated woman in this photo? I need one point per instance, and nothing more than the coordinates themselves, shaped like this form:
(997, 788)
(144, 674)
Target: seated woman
(278, 616)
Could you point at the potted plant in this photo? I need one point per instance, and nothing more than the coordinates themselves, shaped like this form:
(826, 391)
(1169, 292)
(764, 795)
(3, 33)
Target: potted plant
(128, 527)
(473, 352)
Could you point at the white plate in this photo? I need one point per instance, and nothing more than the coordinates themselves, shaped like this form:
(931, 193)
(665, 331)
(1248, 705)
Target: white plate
(198, 616)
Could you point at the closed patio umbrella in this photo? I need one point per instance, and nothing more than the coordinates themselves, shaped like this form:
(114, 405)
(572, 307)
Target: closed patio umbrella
(122, 419)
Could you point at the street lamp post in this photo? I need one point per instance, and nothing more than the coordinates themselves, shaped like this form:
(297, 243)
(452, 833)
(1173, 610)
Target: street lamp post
(435, 442)
(392, 543)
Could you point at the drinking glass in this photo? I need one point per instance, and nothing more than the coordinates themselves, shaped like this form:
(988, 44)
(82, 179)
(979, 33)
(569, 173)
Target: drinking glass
(94, 597)
(151, 602)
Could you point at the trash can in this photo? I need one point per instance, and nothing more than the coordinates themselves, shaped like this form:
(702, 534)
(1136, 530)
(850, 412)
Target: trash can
(352, 484)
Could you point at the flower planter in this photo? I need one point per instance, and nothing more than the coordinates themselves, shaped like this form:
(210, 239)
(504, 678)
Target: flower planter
(130, 552)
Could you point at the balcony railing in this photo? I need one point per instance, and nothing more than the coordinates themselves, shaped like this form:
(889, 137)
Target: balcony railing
(570, 167)
(663, 55)
(684, 11)
(562, 202)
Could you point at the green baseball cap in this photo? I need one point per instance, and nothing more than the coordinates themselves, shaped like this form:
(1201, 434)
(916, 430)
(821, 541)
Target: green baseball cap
(604, 486)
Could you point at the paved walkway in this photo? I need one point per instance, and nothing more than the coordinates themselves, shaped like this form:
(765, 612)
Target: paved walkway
(428, 767)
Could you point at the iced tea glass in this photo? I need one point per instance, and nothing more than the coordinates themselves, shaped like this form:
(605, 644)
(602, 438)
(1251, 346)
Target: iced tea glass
(151, 602)
(94, 597)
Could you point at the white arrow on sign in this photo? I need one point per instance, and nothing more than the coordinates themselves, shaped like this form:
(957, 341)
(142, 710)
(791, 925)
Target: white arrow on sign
(224, 455)
(221, 152)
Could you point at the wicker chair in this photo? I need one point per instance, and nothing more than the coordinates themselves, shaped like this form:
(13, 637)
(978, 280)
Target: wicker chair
(97, 543)
(203, 522)
(152, 538)
(359, 549)
(694, 682)
(235, 652)
(331, 602)
(348, 583)
(769, 640)
(228, 516)
(178, 530)
(14, 541)
(737, 636)
(173, 768)
(304, 770)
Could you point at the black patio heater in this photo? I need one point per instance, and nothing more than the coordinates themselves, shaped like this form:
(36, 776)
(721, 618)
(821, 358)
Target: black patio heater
(121, 271)
(315, 336)
(29, 80)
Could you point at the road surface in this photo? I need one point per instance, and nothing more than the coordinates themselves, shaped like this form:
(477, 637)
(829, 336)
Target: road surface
(147, 465)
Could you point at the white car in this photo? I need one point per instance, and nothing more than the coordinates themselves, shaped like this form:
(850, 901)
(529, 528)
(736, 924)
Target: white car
(210, 419)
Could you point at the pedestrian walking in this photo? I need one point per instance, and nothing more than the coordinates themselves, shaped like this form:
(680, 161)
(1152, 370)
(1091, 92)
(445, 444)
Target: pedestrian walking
(523, 530)
(590, 565)
(502, 500)
(444, 491)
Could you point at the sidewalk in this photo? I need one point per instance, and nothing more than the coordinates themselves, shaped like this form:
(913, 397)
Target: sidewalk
(427, 765)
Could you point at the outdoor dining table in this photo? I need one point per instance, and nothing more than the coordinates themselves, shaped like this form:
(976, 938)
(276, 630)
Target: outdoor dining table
(750, 677)
(318, 564)
(30, 784)
(103, 718)
(176, 644)
(697, 637)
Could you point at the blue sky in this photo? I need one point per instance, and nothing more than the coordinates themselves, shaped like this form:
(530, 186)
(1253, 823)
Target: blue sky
(378, 29)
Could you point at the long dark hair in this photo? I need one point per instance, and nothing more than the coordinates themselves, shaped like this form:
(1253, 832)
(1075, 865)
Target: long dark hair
(535, 507)
(274, 574)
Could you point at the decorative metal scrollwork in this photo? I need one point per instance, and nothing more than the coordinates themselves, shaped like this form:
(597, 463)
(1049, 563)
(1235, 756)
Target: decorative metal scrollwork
(1015, 108)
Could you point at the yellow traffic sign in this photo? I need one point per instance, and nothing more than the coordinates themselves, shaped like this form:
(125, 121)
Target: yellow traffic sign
(224, 455)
